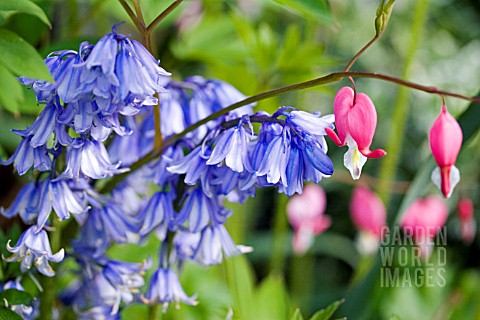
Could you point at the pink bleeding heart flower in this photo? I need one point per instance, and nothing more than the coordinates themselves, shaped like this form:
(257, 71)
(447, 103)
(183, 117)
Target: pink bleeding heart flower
(369, 217)
(423, 219)
(468, 225)
(445, 142)
(306, 215)
(356, 121)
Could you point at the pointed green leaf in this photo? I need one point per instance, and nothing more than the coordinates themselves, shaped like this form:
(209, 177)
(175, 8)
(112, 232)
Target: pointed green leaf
(297, 315)
(21, 58)
(7, 314)
(25, 6)
(11, 94)
(271, 299)
(327, 313)
(16, 297)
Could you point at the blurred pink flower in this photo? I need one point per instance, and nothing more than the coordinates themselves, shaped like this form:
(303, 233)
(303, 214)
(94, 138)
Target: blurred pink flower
(306, 215)
(468, 225)
(369, 217)
(445, 142)
(356, 120)
(423, 220)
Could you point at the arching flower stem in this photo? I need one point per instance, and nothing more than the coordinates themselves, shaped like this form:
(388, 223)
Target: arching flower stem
(330, 78)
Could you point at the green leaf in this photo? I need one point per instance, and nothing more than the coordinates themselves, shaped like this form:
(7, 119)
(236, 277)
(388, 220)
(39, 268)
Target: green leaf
(11, 94)
(16, 297)
(25, 6)
(297, 315)
(21, 58)
(7, 314)
(328, 312)
(317, 9)
(271, 299)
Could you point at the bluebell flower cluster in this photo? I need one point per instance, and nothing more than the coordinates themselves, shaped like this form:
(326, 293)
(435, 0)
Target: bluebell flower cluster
(97, 121)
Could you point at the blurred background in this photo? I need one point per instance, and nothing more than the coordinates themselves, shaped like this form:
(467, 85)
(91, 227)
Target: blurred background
(257, 45)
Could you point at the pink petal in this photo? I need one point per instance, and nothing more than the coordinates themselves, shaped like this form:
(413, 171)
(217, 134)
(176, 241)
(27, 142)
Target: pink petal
(367, 211)
(307, 207)
(425, 217)
(445, 139)
(362, 121)
(341, 106)
(465, 208)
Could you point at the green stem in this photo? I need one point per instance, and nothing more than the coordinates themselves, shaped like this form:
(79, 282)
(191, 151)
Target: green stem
(162, 15)
(355, 58)
(49, 284)
(332, 77)
(152, 314)
(280, 230)
(136, 21)
(400, 111)
(301, 275)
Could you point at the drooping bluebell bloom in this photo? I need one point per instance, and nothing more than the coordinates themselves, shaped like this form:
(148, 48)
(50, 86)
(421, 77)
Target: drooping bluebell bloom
(32, 150)
(185, 244)
(121, 72)
(117, 225)
(215, 242)
(193, 165)
(93, 241)
(199, 210)
(165, 288)
(57, 194)
(232, 146)
(26, 198)
(42, 127)
(92, 160)
(25, 157)
(33, 247)
(274, 162)
(157, 214)
(126, 278)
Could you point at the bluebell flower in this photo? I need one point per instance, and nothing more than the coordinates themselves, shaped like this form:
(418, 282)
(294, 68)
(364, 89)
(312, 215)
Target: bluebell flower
(25, 157)
(274, 162)
(173, 104)
(37, 201)
(185, 244)
(93, 241)
(199, 210)
(126, 278)
(165, 288)
(121, 72)
(33, 247)
(232, 146)
(117, 225)
(157, 214)
(92, 160)
(97, 313)
(311, 123)
(26, 199)
(42, 127)
(307, 162)
(215, 242)
(193, 165)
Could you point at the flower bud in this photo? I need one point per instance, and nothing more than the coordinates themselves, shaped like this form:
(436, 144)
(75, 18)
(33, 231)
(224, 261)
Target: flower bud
(445, 142)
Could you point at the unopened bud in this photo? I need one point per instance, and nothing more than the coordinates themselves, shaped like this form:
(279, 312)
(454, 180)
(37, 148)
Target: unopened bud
(383, 15)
